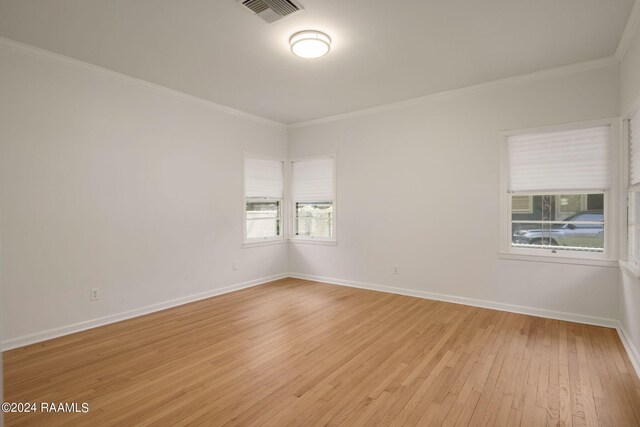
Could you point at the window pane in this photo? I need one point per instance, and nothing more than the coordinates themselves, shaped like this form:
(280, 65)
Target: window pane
(634, 225)
(591, 217)
(314, 219)
(263, 209)
(634, 239)
(262, 228)
(556, 207)
(568, 237)
(561, 222)
(634, 207)
(522, 204)
(572, 203)
(263, 219)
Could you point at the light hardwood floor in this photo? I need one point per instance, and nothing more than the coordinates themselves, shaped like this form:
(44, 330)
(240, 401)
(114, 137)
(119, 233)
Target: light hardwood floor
(300, 353)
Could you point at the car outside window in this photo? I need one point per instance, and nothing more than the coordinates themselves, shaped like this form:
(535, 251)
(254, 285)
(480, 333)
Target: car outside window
(548, 227)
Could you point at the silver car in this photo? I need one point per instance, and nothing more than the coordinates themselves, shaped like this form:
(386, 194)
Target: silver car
(577, 235)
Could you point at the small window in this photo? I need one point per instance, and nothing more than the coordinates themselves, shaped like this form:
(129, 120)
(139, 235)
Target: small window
(557, 187)
(313, 198)
(263, 187)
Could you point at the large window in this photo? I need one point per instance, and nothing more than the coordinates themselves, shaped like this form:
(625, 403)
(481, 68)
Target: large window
(263, 189)
(313, 198)
(557, 188)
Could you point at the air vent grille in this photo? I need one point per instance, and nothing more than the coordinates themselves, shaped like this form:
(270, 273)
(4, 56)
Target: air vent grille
(282, 7)
(256, 6)
(271, 10)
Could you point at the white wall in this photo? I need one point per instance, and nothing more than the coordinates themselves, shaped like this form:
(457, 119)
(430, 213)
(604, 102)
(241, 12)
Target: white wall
(119, 185)
(112, 184)
(418, 188)
(630, 76)
(630, 98)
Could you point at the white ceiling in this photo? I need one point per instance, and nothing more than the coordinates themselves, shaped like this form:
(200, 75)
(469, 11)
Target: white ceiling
(383, 51)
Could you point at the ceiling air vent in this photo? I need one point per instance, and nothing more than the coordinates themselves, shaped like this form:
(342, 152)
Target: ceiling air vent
(271, 10)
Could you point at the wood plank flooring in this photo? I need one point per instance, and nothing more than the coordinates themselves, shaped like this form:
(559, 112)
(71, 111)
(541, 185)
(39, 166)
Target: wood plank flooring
(299, 353)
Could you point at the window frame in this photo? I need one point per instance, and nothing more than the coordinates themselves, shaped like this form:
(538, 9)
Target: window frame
(626, 260)
(606, 258)
(293, 237)
(632, 263)
(260, 241)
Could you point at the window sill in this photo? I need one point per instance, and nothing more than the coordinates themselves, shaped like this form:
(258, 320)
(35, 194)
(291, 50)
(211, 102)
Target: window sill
(559, 259)
(314, 242)
(264, 243)
(629, 268)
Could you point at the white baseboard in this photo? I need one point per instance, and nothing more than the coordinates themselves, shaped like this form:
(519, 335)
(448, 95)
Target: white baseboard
(632, 351)
(101, 321)
(512, 308)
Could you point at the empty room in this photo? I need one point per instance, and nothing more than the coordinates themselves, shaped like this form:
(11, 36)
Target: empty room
(320, 212)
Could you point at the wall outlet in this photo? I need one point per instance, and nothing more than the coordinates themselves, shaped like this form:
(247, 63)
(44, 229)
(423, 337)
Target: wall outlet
(234, 265)
(396, 270)
(94, 294)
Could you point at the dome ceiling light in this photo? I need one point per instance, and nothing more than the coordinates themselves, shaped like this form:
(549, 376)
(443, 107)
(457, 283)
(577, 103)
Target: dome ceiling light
(310, 44)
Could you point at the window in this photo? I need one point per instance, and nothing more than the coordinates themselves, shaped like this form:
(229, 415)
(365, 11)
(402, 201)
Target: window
(263, 195)
(557, 187)
(313, 198)
(633, 218)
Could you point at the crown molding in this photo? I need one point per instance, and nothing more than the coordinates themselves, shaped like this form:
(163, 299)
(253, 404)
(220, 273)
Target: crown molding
(33, 51)
(36, 52)
(629, 31)
(509, 81)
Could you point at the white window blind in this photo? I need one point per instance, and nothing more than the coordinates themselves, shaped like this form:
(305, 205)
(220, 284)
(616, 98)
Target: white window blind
(312, 180)
(634, 148)
(263, 178)
(568, 160)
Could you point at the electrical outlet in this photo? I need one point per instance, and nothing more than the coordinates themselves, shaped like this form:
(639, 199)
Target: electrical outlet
(94, 294)
(234, 266)
(396, 270)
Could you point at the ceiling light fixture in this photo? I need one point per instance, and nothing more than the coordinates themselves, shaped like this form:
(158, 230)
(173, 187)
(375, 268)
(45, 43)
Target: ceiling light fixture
(310, 44)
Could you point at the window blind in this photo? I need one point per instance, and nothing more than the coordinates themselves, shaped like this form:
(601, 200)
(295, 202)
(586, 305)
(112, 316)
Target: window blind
(263, 178)
(634, 148)
(567, 160)
(312, 180)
